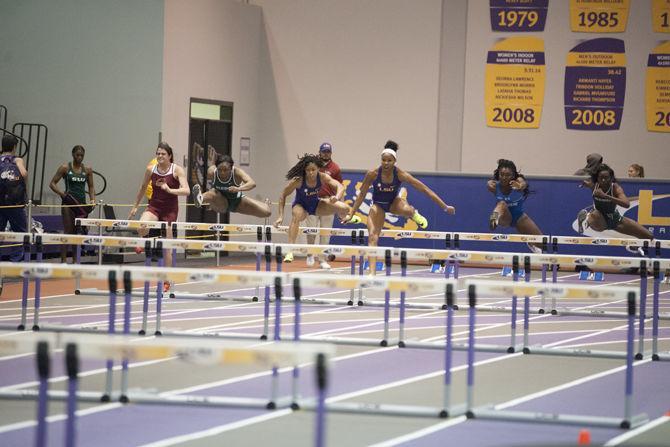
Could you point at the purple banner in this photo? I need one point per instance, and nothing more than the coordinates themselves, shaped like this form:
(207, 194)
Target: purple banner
(658, 60)
(515, 57)
(595, 85)
(518, 15)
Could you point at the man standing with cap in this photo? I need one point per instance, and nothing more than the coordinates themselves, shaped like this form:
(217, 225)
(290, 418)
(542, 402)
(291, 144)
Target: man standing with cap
(333, 169)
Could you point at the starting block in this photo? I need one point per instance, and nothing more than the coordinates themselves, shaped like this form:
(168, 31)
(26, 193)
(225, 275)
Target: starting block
(380, 266)
(591, 276)
(438, 267)
(507, 271)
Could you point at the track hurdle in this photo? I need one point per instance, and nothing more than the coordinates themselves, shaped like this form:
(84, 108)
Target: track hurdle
(124, 348)
(628, 420)
(391, 284)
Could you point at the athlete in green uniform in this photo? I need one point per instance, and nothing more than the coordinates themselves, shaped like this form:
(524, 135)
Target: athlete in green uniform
(77, 179)
(226, 194)
(607, 196)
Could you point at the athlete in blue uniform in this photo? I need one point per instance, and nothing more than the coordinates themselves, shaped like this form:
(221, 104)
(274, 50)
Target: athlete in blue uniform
(607, 195)
(386, 180)
(306, 180)
(511, 189)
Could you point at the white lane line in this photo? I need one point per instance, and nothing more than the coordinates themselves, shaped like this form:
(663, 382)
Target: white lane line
(360, 354)
(637, 431)
(510, 403)
(227, 427)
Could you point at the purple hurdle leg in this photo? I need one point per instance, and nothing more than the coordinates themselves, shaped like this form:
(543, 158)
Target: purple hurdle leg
(38, 285)
(158, 251)
(643, 309)
(128, 291)
(147, 287)
(26, 283)
(43, 367)
(111, 329)
(401, 323)
(449, 295)
(322, 384)
(72, 366)
(387, 300)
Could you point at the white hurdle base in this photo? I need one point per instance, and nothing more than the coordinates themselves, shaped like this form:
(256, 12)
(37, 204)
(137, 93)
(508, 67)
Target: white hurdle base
(601, 313)
(206, 401)
(82, 396)
(556, 418)
(385, 409)
(171, 295)
(575, 352)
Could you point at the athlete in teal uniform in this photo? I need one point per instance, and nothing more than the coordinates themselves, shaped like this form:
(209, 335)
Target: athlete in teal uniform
(77, 179)
(226, 194)
(607, 196)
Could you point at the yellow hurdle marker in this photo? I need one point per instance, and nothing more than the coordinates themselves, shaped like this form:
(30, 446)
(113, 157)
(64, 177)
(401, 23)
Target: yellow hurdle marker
(507, 289)
(390, 283)
(122, 224)
(8, 236)
(200, 351)
(100, 241)
(535, 259)
(494, 258)
(201, 226)
(482, 237)
(60, 271)
(207, 245)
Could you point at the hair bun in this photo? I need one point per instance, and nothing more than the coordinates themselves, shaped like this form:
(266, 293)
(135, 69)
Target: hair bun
(390, 144)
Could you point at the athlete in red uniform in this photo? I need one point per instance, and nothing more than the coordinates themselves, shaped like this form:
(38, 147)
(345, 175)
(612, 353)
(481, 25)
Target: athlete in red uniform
(168, 181)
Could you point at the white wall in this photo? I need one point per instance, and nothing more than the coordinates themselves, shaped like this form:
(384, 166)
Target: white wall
(351, 72)
(90, 70)
(552, 149)
(212, 51)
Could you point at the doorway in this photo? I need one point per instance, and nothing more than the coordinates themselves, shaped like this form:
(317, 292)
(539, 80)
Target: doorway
(210, 134)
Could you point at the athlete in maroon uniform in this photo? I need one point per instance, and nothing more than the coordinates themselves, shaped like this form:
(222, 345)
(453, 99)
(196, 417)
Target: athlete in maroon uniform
(168, 181)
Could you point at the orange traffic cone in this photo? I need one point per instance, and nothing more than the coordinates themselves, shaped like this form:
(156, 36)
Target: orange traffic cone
(584, 437)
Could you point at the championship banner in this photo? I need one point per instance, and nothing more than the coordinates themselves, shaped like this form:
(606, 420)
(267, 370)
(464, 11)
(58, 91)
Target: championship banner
(660, 16)
(649, 206)
(658, 89)
(595, 85)
(599, 16)
(514, 85)
(518, 15)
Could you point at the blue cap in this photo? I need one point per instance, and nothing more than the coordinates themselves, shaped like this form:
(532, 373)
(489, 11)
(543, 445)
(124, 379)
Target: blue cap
(326, 147)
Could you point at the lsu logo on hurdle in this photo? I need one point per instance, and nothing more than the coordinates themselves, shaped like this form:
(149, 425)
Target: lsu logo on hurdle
(202, 276)
(214, 246)
(120, 224)
(37, 272)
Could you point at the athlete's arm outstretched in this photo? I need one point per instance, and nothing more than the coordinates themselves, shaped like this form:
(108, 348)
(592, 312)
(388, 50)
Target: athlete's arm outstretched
(420, 186)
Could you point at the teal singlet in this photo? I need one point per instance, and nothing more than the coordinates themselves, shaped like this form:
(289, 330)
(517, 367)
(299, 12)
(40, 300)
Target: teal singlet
(234, 198)
(75, 183)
